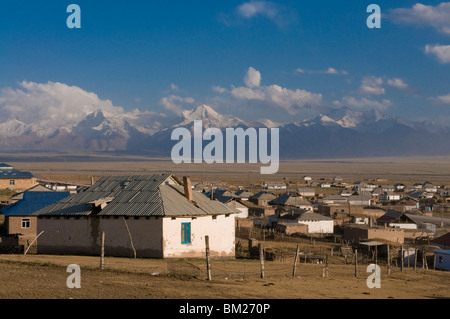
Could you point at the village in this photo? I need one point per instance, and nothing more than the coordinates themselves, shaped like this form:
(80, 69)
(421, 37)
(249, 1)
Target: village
(167, 217)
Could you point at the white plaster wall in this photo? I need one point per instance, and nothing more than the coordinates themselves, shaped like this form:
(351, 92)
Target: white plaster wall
(319, 227)
(83, 236)
(221, 232)
(403, 226)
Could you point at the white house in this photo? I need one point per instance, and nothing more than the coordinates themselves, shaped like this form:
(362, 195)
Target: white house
(151, 216)
(307, 191)
(359, 200)
(429, 188)
(317, 223)
(399, 186)
(274, 185)
(389, 196)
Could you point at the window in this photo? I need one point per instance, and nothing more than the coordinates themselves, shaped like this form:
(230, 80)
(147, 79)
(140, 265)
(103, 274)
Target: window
(441, 259)
(186, 233)
(26, 223)
(12, 182)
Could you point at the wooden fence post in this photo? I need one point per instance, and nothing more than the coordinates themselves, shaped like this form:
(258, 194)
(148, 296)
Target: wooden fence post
(102, 252)
(356, 263)
(401, 260)
(388, 260)
(325, 273)
(261, 259)
(415, 259)
(208, 265)
(295, 261)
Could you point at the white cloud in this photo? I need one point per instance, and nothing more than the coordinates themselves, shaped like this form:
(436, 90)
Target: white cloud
(278, 14)
(437, 17)
(441, 52)
(274, 96)
(254, 8)
(175, 103)
(219, 89)
(174, 87)
(442, 99)
(46, 107)
(330, 70)
(372, 85)
(252, 78)
(364, 103)
(397, 83)
(56, 104)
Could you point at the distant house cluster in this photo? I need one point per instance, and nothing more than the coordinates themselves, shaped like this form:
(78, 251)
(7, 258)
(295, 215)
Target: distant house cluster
(161, 216)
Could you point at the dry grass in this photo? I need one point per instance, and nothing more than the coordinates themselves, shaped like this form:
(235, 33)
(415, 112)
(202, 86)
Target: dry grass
(44, 277)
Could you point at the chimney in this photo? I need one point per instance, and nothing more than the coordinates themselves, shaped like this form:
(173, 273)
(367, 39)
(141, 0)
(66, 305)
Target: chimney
(187, 188)
(92, 180)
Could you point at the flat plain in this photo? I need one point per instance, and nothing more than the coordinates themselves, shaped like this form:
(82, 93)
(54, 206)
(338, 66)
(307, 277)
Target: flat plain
(37, 276)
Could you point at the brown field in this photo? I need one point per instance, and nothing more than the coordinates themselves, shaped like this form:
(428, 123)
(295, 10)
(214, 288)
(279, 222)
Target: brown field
(79, 169)
(44, 277)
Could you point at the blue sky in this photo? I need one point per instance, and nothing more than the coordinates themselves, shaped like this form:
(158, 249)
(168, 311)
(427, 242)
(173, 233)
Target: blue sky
(284, 60)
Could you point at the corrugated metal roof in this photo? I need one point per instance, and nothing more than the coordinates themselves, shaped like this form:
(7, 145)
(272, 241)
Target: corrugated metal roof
(140, 195)
(290, 199)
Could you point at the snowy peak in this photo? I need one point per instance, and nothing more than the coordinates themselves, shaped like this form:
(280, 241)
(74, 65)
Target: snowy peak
(13, 128)
(97, 125)
(210, 118)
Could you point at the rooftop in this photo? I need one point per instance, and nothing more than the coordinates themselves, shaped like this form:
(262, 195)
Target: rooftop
(32, 202)
(8, 172)
(140, 195)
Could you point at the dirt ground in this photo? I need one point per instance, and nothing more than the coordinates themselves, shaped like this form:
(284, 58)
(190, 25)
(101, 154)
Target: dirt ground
(45, 277)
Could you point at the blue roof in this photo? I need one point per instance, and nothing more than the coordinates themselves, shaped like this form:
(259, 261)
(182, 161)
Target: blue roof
(8, 172)
(32, 202)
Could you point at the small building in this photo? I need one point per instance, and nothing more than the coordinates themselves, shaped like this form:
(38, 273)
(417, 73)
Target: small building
(291, 228)
(442, 258)
(389, 196)
(20, 225)
(429, 188)
(234, 203)
(359, 200)
(407, 204)
(334, 199)
(357, 233)
(317, 223)
(404, 221)
(293, 199)
(262, 198)
(306, 191)
(19, 217)
(243, 195)
(274, 185)
(16, 180)
(150, 216)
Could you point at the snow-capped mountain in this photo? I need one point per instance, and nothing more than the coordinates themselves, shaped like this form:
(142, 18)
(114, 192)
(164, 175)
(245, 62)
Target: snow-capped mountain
(341, 132)
(210, 118)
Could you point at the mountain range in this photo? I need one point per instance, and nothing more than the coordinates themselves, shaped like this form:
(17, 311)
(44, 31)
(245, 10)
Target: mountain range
(341, 133)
